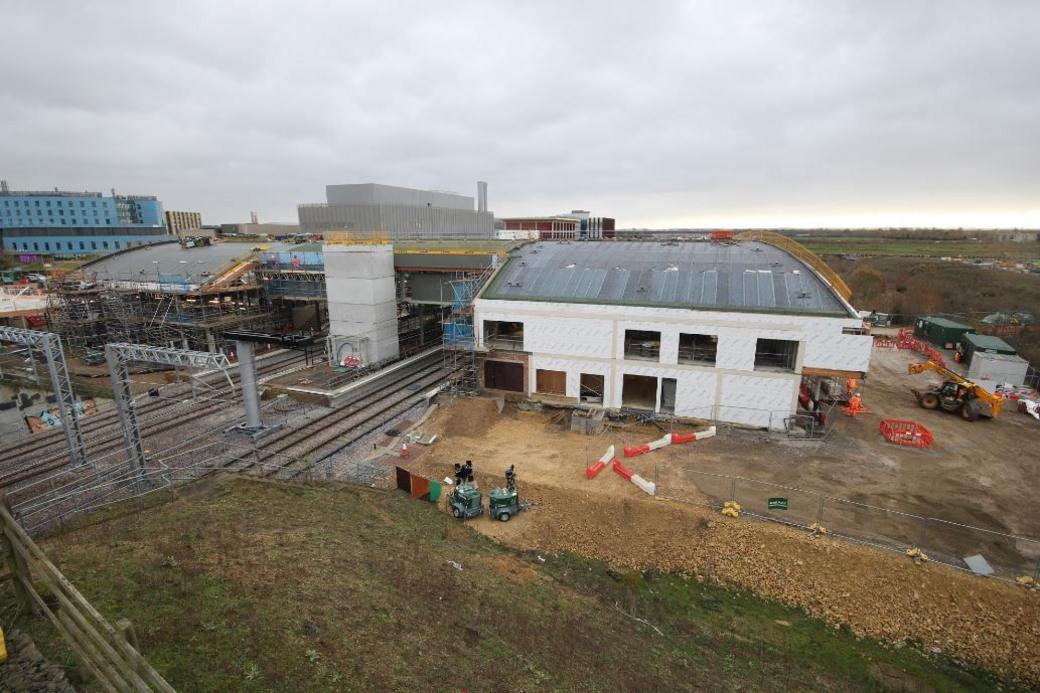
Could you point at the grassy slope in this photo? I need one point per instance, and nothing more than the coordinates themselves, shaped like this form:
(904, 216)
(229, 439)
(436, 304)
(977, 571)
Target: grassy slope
(256, 586)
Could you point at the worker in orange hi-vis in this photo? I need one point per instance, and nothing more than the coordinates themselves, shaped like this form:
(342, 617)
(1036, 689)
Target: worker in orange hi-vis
(855, 405)
(851, 385)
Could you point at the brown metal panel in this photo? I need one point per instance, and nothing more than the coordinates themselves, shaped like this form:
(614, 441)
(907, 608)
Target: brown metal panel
(420, 486)
(404, 479)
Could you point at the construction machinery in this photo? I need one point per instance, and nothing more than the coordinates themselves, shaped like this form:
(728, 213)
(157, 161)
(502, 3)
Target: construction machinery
(503, 503)
(956, 394)
(465, 500)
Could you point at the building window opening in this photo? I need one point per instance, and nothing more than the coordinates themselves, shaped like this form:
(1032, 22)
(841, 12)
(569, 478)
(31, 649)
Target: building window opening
(591, 389)
(698, 348)
(775, 355)
(642, 344)
(551, 382)
(668, 387)
(500, 334)
(639, 392)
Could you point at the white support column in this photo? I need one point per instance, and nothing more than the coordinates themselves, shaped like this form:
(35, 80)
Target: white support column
(247, 378)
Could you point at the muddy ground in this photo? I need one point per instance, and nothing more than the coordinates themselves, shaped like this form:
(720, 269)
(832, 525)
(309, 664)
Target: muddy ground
(980, 473)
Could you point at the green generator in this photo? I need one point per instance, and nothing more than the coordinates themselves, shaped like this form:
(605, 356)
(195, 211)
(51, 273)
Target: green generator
(503, 503)
(465, 502)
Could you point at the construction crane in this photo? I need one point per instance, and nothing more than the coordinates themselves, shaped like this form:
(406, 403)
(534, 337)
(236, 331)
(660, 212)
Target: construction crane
(956, 394)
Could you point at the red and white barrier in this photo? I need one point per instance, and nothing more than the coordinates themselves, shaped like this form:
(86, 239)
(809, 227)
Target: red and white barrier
(670, 439)
(622, 470)
(640, 482)
(648, 486)
(652, 445)
(679, 438)
(596, 467)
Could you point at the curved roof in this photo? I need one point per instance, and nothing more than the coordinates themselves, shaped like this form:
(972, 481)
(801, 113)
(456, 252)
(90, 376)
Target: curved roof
(743, 276)
(171, 261)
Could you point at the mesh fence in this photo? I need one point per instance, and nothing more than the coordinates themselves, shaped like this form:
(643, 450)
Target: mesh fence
(1009, 555)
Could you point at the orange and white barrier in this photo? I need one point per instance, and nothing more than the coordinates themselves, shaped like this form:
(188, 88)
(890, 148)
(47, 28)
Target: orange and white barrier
(595, 468)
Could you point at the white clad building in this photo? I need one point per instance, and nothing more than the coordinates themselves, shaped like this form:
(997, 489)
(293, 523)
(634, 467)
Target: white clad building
(722, 331)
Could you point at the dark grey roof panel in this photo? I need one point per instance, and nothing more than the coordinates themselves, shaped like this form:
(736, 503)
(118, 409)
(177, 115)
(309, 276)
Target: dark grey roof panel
(746, 275)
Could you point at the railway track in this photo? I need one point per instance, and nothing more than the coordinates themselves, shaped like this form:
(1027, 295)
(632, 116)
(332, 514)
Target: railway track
(101, 433)
(309, 444)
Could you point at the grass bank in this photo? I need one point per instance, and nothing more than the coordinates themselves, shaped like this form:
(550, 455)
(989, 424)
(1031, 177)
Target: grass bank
(247, 585)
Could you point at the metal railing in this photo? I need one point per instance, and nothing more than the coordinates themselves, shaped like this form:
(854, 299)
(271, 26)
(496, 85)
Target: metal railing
(695, 354)
(803, 254)
(646, 352)
(504, 343)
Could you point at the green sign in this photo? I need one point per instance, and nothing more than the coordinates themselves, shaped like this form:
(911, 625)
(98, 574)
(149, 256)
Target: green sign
(778, 504)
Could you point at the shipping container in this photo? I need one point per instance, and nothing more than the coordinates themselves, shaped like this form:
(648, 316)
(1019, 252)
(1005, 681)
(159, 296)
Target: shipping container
(990, 370)
(941, 332)
(983, 343)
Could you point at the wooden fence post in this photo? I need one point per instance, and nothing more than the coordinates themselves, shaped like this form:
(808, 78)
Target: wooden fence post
(15, 562)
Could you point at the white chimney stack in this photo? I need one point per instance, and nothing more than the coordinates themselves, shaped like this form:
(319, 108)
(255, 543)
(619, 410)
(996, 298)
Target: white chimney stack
(481, 196)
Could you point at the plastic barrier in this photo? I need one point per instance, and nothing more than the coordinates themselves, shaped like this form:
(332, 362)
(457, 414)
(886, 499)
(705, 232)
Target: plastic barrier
(595, 468)
(652, 445)
(909, 433)
(622, 470)
(640, 482)
(643, 484)
(883, 342)
(679, 438)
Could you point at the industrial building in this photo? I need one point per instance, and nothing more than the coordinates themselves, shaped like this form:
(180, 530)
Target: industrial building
(397, 213)
(723, 331)
(253, 228)
(64, 223)
(179, 222)
(578, 224)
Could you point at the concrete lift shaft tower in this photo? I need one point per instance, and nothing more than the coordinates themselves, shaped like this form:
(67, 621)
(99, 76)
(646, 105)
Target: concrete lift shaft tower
(119, 355)
(50, 344)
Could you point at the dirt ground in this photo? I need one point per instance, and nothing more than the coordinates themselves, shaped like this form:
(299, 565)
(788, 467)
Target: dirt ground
(979, 473)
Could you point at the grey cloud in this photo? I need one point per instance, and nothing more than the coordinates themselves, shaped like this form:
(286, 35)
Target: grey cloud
(685, 113)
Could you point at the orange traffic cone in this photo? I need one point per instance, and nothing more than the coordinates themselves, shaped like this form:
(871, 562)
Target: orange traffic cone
(404, 449)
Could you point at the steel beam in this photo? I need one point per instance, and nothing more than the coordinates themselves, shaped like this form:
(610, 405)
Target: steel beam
(64, 395)
(119, 355)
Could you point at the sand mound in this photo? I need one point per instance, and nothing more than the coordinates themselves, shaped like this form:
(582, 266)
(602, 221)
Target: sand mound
(470, 417)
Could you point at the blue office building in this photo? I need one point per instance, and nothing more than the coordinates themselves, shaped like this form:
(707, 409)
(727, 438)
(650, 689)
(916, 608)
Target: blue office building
(65, 224)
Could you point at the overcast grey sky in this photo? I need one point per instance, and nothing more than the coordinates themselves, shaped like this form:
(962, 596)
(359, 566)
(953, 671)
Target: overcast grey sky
(656, 113)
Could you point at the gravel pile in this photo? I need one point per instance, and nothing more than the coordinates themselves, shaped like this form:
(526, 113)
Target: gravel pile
(986, 622)
(26, 669)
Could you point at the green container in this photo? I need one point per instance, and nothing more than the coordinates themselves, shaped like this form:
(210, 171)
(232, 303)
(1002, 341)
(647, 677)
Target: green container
(984, 342)
(940, 331)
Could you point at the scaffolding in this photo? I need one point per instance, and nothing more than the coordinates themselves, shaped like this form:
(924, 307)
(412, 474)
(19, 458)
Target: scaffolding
(459, 338)
(89, 315)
